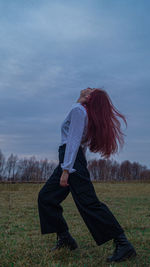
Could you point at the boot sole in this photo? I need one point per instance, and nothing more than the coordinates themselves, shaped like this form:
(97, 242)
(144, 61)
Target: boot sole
(71, 247)
(130, 254)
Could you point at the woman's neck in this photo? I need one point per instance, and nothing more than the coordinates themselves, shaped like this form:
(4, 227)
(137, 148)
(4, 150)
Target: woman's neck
(81, 100)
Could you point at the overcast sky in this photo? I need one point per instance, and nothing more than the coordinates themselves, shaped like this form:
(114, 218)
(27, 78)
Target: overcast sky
(50, 50)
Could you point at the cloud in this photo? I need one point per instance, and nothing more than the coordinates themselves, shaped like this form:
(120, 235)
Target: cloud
(53, 49)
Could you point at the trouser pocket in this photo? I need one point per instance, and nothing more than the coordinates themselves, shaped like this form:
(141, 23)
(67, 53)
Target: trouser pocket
(85, 193)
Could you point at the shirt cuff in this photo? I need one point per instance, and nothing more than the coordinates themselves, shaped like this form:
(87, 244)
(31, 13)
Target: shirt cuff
(71, 170)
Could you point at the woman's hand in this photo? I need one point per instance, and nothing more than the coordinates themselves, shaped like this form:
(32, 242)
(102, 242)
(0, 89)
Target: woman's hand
(64, 178)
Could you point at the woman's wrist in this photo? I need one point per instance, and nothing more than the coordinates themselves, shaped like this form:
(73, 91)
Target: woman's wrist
(66, 171)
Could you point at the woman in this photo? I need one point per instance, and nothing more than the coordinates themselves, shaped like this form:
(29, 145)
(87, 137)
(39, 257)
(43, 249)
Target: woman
(92, 122)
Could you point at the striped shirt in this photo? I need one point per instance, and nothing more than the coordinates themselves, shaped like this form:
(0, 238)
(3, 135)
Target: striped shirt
(73, 131)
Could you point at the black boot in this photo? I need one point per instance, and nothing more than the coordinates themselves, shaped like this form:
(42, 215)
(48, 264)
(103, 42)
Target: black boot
(123, 250)
(65, 240)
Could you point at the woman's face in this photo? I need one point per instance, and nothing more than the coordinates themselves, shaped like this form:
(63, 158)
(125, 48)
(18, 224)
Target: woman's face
(85, 93)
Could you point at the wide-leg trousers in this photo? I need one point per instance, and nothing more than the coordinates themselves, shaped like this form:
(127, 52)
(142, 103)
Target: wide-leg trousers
(99, 220)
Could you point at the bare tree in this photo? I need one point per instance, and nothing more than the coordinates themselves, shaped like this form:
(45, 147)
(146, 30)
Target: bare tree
(92, 167)
(115, 168)
(31, 169)
(145, 175)
(2, 165)
(46, 168)
(125, 170)
(11, 166)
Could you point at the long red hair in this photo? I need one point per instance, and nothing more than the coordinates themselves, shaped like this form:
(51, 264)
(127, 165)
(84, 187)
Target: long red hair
(104, 132)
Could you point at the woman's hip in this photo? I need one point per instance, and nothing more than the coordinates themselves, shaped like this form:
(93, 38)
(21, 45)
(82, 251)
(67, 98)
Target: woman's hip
(80, 163)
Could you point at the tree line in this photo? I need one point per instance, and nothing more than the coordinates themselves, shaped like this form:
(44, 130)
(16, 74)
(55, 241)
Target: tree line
(33, 170)
(110, 170)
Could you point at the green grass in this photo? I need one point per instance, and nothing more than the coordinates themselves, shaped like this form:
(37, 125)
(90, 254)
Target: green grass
(21, 242)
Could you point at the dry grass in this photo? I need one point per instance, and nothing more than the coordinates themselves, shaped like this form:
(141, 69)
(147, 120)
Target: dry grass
(22, 245)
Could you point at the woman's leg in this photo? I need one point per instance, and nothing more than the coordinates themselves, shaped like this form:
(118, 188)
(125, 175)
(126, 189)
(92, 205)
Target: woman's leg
(99, 219)
(50, 210)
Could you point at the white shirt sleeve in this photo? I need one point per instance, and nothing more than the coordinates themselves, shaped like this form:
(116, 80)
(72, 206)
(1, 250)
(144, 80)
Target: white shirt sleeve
(74, 138)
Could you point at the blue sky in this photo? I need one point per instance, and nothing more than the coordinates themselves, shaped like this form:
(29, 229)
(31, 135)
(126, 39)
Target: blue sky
(50, 50)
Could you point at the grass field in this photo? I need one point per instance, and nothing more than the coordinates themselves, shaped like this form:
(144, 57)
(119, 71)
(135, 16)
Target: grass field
(21, 242)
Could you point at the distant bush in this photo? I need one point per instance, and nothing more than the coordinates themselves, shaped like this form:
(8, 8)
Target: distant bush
(32, 170)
